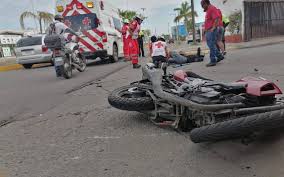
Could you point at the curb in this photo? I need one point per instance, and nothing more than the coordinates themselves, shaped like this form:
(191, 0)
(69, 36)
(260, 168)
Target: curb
(10, 67)
(259, 45)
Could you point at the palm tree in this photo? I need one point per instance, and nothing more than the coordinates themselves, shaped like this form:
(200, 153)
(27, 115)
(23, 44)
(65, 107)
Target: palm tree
(42, 17)
(184, 12)
(127, 14)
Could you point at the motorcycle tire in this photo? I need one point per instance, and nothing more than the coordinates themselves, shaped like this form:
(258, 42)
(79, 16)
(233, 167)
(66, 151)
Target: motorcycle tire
(238, 128)
(83, 65)
(117, 100)
(59, 70)
(67, 69)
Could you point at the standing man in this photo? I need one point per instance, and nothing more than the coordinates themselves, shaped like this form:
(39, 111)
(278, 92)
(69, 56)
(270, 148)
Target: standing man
(211, 23)
(141, 44)
(133, 33)
(124, 31)
(226, 22)
(220, 33)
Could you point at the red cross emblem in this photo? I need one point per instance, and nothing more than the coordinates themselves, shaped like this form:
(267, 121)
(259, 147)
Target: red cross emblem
(86, 21)
(67, 23)
(159, 45)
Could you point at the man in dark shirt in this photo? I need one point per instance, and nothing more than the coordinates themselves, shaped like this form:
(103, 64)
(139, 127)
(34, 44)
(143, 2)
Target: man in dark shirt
(141, 44)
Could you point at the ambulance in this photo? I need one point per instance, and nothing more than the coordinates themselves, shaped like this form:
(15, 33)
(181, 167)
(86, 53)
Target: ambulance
(98, 24)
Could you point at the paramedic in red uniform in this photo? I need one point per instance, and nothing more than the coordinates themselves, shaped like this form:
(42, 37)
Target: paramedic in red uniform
(124, 30)
(134, 29)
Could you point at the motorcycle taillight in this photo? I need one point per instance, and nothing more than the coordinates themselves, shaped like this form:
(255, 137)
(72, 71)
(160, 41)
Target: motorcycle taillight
(44, 49)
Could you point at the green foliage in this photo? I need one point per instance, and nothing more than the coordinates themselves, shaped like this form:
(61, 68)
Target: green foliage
(184, 13)
(235, 22)
(42, 17)
(129, 14)
(147, 32)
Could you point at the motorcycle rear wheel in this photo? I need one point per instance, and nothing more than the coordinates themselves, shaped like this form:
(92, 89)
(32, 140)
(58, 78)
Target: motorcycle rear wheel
(239, 127)
(122, 99)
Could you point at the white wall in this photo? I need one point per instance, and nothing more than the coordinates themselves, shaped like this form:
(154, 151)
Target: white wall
(229, 7)
(9, 39)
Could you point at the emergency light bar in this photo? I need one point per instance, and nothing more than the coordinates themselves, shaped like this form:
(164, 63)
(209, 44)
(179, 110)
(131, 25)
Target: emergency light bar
(90, 4)
(59, 8)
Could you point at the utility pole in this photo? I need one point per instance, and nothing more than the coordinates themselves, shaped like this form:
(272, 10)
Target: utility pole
(169, 28)
(193, 22)
(177, 23)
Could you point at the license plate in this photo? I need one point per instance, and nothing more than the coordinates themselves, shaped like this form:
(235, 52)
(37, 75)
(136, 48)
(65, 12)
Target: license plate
(58, 61)
(30, 52)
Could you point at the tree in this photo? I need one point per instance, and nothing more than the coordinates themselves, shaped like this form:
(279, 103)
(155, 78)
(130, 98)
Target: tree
(129, 14)
(184, 13)
(42, 17)
(235, 22)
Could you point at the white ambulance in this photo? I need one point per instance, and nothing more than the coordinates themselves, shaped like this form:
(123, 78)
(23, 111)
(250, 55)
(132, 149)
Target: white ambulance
(97, 22)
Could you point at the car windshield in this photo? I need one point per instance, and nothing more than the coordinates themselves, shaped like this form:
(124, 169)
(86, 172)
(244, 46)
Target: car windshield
(82, 22)
(29, 41)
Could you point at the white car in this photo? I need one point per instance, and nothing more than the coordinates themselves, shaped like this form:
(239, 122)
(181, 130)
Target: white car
(31, 50)
(97, 22)
(189, 38)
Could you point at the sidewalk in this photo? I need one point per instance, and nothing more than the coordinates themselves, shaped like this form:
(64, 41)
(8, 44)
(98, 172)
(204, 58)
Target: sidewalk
(9, 64)
(7, 61)
(230, 46)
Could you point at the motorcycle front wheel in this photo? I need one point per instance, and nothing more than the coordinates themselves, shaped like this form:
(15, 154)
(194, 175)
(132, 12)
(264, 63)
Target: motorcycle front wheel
(67, 68)
(82, 64)
(131, 98)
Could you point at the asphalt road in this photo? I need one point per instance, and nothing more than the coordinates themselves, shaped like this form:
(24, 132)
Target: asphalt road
(59, 133)
(29, 93)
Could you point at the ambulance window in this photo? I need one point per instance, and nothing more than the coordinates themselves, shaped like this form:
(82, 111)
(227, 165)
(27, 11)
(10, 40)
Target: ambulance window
(82, 22)
(117, 23)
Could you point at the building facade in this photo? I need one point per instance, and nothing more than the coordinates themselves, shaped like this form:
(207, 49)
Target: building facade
(8, 41)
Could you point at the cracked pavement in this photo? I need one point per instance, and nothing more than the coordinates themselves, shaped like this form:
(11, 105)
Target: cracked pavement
(66, 128)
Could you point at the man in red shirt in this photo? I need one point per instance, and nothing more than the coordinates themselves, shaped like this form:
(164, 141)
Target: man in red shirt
(134, 29)
(211, 24)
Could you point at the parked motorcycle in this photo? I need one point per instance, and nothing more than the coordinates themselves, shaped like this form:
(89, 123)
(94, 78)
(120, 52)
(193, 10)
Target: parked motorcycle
(66, 55)
(210, 110)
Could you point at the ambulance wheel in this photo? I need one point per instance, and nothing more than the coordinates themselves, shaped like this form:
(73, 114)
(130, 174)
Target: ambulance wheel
(114, 57)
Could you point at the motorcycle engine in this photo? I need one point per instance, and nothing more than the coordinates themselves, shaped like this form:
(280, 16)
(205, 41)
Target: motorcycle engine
(197, 91)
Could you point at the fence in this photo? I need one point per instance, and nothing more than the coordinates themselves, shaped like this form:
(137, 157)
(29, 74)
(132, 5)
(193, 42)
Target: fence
(263, 19)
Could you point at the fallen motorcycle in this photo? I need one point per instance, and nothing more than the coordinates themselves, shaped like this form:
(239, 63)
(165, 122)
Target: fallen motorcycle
(210, 110)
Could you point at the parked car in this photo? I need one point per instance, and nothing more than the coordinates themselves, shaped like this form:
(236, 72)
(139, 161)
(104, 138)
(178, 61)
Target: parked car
(189, 38)
(31, 50)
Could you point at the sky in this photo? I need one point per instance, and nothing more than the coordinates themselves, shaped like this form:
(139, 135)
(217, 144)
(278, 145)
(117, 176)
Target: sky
(159, 12)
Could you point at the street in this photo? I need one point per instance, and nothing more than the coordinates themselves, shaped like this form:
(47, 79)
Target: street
(52, 127)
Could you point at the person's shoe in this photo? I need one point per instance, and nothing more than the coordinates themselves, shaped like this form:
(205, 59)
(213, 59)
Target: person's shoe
(220, 58)
(211, 64)
(136, 66)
